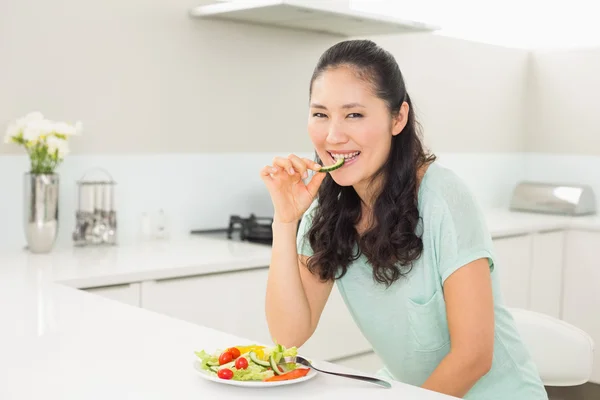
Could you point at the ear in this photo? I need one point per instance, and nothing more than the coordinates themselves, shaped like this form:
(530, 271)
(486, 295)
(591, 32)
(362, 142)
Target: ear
(400, 120)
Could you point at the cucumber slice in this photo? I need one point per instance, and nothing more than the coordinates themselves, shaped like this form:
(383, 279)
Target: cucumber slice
(254, 358)
(213, 368)
(274, 365)
(333, 167)
(212, 363)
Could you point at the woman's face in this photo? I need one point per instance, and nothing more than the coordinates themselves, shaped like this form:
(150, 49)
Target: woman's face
(347, 120)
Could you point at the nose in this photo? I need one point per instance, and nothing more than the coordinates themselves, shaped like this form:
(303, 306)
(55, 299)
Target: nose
(336, 135)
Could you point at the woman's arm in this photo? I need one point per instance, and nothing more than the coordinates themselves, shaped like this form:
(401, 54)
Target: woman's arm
(470, 311)
(295, 297)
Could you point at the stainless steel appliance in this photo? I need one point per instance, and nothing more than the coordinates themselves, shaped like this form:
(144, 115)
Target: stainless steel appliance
(96, 217)
(251, 229)
(553, 198)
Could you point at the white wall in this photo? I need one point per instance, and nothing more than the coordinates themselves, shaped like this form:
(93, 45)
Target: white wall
(470, 96)
(184, 112)
(565, 102)
(201, 191)
(563, 124)
(145, 78)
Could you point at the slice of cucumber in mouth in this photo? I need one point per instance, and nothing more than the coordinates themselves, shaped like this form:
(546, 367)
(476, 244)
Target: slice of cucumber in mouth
(333, 167)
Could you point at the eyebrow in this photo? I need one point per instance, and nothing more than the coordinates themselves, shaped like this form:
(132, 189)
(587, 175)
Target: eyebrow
(349, 105)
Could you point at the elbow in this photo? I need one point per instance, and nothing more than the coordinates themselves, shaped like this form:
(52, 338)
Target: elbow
(481, 362)
(288, 339)
(476, 363)
(288, 336)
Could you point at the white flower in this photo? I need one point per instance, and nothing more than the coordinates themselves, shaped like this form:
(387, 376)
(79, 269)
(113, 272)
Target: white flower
(12, 131)
(16, 128)
(62, 128)
(38, 127)
(55, 144)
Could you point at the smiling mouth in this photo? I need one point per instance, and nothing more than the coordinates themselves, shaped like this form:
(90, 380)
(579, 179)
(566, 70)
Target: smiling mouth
(346, 156)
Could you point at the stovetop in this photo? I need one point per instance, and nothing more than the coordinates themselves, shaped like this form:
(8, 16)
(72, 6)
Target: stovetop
(251, 229)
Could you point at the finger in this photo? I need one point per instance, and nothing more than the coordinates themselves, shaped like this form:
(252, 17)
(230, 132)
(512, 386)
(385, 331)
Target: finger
(269, 177)
(311, 164)
(299, 165)
(285, 164)
(315, 183)
(267, 170)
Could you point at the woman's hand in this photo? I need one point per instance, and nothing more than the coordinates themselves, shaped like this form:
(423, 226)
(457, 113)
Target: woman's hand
(290, 196)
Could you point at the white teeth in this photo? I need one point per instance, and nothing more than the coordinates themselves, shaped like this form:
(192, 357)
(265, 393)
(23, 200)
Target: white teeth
(346, 156)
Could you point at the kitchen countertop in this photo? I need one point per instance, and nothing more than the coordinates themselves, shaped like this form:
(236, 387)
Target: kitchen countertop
(197, 255)
(507, 223)
(84, 267)
(62, 343)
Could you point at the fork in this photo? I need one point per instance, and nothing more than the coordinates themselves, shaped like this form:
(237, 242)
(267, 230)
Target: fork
(304, 361)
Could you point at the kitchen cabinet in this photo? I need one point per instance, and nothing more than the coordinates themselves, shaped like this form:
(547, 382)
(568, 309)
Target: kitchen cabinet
(337, 335)
(368, 363)
(232, 302)
(581, 287)
(128, 293)
(513, 264)
(547, 272)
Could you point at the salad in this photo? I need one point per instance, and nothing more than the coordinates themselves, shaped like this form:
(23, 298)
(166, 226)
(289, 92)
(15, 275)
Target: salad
(252, 363)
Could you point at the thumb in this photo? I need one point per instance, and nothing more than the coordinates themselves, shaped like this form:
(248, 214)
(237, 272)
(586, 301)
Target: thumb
(315, 183)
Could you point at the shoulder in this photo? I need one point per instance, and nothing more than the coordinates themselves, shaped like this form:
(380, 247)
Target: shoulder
(443, 191)
(441, 183)
(447, 203)
(455, 222)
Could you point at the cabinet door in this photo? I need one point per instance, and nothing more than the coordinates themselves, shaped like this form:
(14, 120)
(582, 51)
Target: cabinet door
(232, 302)
(547, 273)
(368, 363)
(581, 291)
(337, 335)
(514, 269)
(128, 294)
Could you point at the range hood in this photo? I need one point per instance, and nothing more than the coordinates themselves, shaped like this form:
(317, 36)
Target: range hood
(335, 17)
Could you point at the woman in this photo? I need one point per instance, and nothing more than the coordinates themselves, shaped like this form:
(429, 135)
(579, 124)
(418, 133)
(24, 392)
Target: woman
(401, 236)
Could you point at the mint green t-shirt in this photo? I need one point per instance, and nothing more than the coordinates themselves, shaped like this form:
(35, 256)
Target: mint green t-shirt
(406, 324)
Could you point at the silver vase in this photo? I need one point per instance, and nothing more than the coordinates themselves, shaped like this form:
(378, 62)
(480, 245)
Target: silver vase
(41, 211)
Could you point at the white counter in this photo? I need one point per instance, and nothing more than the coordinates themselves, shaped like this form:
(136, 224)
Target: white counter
(84, 267)
(62, 343)
(506, 223)
(92, 267)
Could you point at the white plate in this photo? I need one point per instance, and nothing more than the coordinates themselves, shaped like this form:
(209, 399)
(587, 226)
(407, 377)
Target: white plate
(206, 375)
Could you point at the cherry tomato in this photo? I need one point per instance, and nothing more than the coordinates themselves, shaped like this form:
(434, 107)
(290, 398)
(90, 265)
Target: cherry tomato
(225, 373)
(225, 358)
(241, 363)
(235, 352)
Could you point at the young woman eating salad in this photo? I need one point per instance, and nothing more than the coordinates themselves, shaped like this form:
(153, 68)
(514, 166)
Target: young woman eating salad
(401, 236)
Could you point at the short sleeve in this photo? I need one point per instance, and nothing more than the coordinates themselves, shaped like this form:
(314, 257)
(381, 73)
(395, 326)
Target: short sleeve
(463, 235)
(302, 243)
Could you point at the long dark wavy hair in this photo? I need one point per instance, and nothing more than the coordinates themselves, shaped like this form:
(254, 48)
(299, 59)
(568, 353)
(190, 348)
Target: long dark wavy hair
(391, 243)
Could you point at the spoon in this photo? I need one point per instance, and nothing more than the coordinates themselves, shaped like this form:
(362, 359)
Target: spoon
(304, 361)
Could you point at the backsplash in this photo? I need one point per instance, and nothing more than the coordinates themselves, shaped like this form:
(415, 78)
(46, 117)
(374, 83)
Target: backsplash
(565, 168)
(198, 191)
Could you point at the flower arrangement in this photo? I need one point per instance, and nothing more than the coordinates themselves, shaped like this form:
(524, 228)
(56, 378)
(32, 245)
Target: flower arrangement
(45, 141)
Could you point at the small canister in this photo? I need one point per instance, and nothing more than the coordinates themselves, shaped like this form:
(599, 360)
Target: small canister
(96, 213)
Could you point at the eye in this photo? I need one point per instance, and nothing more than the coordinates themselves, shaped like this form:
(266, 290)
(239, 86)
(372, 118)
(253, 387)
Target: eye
(319, 115)
(355, 115)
